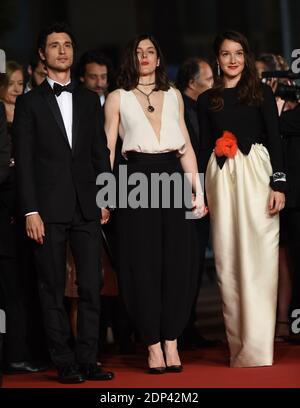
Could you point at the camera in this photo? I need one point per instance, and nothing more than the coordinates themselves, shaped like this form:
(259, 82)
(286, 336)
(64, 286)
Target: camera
(288, 92)
(284, 90)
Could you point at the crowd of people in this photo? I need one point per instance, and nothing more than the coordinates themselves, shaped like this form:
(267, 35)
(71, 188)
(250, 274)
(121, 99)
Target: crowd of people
(74, 276)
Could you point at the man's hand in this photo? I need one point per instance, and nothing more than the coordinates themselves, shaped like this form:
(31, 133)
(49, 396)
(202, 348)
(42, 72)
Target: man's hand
(273, 83)
(276, 202)
(105, 215)
(280, 105)
(35, 228)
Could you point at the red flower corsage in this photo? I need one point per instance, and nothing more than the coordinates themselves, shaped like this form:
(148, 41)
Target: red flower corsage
(226, 145)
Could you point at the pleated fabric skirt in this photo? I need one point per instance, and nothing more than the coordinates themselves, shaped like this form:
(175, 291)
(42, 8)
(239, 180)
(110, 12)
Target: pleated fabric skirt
(245, 242)
(157, 257)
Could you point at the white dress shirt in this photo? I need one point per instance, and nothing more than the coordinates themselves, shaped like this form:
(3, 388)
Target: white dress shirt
(27, 88)
(65, 103)
(102, 99)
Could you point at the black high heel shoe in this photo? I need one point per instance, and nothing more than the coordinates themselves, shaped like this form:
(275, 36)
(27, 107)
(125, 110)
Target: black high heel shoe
(156, 370)
(174, 368)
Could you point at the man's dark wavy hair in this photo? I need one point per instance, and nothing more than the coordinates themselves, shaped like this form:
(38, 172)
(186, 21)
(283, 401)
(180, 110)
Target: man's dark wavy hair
(99, 58)
(128, 75)
(188, 71)
(54, 28)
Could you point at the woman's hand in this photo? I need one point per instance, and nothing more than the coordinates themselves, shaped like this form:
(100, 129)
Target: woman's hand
(199, 208)
(276, 202)
(105, 215)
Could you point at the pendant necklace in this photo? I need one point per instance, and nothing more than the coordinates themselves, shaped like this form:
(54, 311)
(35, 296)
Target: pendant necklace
(150, 108)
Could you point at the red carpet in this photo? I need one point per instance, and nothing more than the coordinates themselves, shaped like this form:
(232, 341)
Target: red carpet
(202, 368)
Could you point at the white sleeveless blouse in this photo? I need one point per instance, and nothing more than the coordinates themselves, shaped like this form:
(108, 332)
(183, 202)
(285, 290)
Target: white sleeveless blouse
(137, 132)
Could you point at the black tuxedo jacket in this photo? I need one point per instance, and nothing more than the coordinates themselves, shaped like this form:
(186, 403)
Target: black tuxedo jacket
(51, 175)
(290, 130)
(192, 124)
(191, 121)
(4, 145)
(7, 192)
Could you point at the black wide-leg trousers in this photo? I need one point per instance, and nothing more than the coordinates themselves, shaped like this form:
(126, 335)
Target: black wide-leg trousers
(157, 255)
(293, 239)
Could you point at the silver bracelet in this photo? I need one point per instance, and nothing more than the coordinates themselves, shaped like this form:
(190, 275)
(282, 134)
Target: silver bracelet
(278, 176)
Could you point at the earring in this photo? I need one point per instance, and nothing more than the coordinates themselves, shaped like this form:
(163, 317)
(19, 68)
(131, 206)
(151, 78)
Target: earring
(157, 64)
(218, 69)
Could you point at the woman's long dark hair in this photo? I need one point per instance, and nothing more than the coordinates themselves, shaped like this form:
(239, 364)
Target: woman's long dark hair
(249, 86)
(128, 75)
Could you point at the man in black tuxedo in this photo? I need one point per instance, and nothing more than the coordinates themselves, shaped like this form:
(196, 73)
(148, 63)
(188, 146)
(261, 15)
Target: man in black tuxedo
(95, 71)
(60, 150)
(17, 355)
(4, 169)
(193, 78)
(290, 130)
(4, 145)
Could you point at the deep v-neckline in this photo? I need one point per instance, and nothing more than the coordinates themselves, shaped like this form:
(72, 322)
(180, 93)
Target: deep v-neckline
(157, 137)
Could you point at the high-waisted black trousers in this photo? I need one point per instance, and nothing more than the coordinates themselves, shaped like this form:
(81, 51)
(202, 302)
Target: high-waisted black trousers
(157, 255)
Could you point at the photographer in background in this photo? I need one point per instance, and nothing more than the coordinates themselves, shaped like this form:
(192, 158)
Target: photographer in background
(270, 63)
(287, 95)
(290, 131)
(4, 171)
(269, 68)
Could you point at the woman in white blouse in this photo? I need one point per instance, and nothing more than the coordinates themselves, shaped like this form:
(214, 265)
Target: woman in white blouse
(157, 246)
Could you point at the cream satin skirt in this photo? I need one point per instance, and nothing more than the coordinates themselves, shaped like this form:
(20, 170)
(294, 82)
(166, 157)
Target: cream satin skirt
(245, 241)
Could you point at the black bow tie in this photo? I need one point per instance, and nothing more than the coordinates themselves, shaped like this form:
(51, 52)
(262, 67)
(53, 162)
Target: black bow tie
(58, 89)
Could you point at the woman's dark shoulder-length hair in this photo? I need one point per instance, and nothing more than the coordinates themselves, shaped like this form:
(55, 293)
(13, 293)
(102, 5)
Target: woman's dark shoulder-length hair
(249, 86)
(128, 75)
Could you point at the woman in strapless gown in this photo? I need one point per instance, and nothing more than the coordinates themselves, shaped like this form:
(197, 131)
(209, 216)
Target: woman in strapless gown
(157, 243)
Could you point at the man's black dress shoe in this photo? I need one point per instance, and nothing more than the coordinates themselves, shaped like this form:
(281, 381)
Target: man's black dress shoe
(24, 367)
(70, 374)
(95, 373)
(174, 368)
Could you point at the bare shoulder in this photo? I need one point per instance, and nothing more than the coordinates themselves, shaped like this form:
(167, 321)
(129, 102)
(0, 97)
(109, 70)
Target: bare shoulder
(179, 98)
(112, 102)
(114, 97)
(178, 93)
